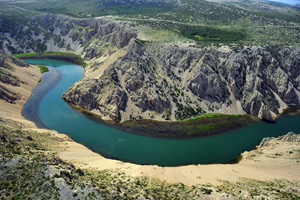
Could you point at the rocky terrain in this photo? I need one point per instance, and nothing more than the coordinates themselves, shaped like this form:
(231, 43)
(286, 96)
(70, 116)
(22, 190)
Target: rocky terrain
(31, 168)
(31, 165)
(175, 83)
(60, 33)
(131, 75)
(130, 78)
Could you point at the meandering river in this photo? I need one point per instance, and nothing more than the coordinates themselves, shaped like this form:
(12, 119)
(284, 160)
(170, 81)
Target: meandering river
(54, 113)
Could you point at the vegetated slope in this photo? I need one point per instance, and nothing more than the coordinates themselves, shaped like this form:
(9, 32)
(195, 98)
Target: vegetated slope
(129, 78)
(31, 168)
(56, 32)
(262, 22)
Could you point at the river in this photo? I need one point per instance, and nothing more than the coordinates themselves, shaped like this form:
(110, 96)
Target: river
(54, 113)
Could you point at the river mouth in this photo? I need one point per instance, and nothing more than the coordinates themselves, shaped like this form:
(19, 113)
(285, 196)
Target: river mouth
(110, 142)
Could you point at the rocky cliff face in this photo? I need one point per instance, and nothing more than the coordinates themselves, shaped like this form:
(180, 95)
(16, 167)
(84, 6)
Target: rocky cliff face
(128, 78)
(263, 82)
(173, 83)
(60, 33)
(271, 141)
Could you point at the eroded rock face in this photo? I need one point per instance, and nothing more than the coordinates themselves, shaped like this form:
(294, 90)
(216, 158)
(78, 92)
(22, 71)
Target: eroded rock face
(131, 79)
(174, 83)
(60, 33)
(271, 141)
(256, 77)
(93, 94)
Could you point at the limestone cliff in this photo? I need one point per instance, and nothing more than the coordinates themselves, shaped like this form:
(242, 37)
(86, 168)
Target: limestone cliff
(50, 32)
(173, 83)
(128, 78)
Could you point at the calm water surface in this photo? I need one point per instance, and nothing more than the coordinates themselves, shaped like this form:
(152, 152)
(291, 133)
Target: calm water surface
(56, 114)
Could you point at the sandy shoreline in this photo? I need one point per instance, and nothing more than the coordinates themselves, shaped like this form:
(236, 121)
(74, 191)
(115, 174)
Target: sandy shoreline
(258, 164)
(30, 76)
(49, 80)
(254, 165)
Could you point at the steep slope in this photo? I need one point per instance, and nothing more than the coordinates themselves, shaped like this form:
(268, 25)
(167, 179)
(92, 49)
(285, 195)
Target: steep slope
(180, 82)
(32, 166)
(127, 78)
(38, 163)
(17, 79)
(265, 80)
(60, 33)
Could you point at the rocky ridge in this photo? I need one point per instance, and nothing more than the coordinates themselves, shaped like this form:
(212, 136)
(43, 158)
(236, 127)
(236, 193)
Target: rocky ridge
(30, 167)
(128, 78)
(175, 83)
(50, 32)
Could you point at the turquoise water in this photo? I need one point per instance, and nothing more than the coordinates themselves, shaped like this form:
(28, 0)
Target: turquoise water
(56, 114)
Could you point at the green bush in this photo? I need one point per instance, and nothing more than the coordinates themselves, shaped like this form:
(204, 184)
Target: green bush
(43, 69)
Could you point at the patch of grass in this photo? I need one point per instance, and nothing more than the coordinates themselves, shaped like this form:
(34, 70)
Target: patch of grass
(212, 115)
(206, 127)
(43, 69)
(184, 112)
(200, 128)
(212, 34)
(198, 37)
(63, 56)
(24, 54)
(203, 125)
